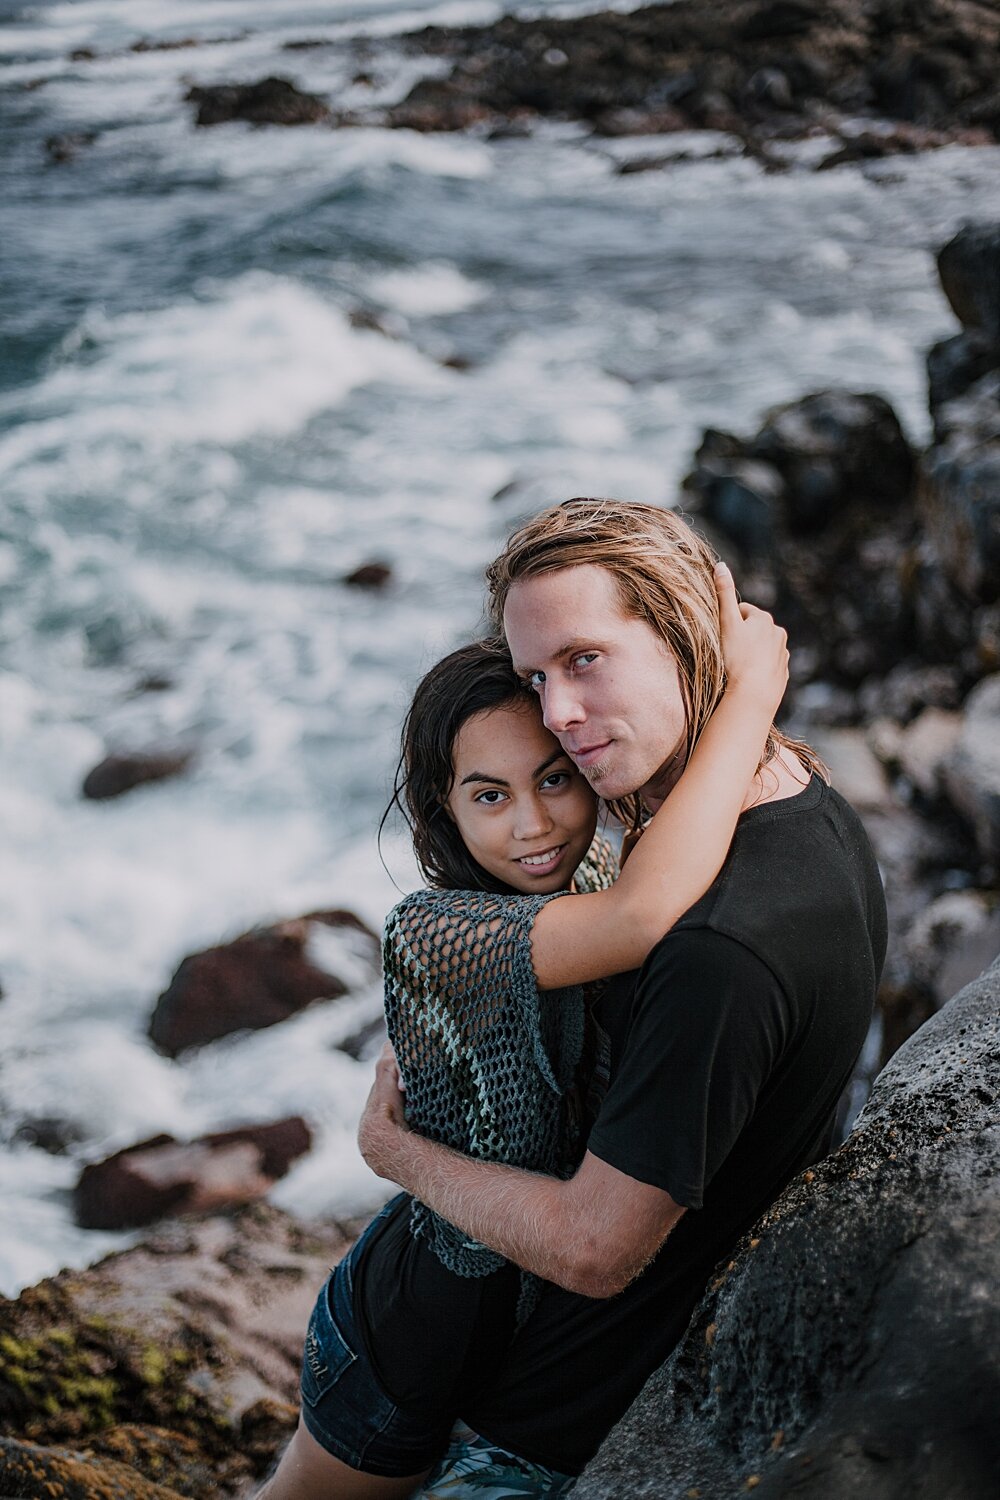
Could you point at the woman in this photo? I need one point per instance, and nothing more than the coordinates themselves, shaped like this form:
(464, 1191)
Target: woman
(486, 1011)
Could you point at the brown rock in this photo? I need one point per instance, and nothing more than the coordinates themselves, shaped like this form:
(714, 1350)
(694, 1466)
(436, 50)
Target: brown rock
(370, 575)
(120, 773)
(256, 980)
(165, 1176)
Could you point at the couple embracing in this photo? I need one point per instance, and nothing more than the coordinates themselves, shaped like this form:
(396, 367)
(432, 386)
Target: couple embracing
(599, 1079)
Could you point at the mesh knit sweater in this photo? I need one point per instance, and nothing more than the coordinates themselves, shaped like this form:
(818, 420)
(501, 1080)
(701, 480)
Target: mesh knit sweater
(486, 1059)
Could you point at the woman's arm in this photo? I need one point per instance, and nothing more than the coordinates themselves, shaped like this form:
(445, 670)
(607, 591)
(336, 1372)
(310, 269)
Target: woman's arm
(580, 938)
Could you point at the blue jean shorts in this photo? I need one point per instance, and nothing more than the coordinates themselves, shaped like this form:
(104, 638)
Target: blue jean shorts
(343, 1406)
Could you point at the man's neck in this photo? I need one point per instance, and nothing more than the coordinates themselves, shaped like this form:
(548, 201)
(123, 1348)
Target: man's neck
(784, 776)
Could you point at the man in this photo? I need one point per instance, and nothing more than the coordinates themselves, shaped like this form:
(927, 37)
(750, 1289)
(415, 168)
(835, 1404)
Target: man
(719, 1066)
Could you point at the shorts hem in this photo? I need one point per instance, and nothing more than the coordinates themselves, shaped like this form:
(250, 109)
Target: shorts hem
(360, 1462)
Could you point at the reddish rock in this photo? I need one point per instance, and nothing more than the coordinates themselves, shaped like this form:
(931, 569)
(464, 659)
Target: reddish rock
(257, 980)
(119, 773)
(370, 575)
(165, 1176)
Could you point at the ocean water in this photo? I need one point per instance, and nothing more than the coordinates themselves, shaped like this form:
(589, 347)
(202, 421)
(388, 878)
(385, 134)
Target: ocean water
(197, 444)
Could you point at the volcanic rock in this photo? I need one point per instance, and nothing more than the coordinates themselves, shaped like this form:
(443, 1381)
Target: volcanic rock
(370, 575)
(750, 67)
(257, 980)
(972, 771)
(953, 365)
(120, 773)
(850, 1347)
(270, 101)
(819, 502)
(969, 268)
(164, 1176)
(173, 1364)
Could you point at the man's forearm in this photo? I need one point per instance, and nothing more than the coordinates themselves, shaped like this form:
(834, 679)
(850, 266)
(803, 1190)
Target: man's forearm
(517, 1213)
(589, 1234)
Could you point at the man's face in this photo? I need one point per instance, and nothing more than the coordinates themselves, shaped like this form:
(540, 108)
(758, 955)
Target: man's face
(607, 684)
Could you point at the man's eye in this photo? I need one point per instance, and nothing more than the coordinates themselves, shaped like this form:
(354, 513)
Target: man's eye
(536, 679)
(584, 659)
(490, 798)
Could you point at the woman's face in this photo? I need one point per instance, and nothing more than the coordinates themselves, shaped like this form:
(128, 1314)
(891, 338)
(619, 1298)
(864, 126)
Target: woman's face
(523, 810)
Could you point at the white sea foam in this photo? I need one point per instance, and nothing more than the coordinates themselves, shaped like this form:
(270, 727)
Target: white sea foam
(264, 356)
(428, 290)
(186, 485)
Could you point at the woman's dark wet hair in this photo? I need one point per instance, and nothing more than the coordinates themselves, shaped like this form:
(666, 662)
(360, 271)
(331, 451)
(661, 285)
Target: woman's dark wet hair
(470, 681)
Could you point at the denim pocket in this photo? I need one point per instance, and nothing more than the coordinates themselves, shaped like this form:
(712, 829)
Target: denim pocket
(327, 1353)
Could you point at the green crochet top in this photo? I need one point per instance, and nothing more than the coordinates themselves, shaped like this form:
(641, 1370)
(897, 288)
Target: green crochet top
(486, 1059)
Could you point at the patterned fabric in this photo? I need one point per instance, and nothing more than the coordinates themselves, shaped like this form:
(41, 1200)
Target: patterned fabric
(486, 1063)
(474, 1469)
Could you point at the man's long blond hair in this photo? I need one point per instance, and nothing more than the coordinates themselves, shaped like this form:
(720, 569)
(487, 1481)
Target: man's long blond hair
(664, 574)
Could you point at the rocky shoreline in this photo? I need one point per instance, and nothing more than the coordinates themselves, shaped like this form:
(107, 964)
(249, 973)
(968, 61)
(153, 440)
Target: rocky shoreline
(870, 79)
(848, 1348)
(884, 565)
(845, 1349)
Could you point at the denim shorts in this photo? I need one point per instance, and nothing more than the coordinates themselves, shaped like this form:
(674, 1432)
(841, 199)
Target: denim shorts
(343, 1406)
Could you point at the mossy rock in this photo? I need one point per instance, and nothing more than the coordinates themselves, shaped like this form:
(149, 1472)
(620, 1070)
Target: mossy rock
(175, 1362)
(32, 1472)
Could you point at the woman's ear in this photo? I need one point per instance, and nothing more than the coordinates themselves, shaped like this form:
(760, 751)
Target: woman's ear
(446, 807)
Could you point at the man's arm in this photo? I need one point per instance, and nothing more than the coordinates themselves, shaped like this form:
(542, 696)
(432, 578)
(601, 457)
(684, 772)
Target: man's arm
(590, 1234)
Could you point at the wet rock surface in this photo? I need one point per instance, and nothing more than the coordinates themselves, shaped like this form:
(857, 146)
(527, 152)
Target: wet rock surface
(258, 979)
(850, 1347)
(370, 575)
(123, 771)
(269, 101)
(170, 1369)
(164, 1176)
(759, 69)
(884, 565)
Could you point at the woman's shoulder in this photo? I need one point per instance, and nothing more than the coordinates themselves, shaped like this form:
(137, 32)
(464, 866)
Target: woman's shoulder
(429, 909)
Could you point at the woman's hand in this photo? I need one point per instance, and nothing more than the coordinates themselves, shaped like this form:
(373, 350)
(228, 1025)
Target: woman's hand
(754, 648)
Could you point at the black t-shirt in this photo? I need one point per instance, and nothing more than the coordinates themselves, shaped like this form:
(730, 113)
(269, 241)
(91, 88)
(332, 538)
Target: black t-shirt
(726, 1066)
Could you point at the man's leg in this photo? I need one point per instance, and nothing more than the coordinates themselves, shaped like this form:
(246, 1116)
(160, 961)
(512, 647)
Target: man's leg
(307, 1472)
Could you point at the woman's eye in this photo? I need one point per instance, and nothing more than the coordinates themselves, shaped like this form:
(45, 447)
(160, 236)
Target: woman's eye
(490, 798)
(556, 779)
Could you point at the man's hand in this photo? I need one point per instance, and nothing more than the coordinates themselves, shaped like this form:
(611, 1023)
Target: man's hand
(383, 1122)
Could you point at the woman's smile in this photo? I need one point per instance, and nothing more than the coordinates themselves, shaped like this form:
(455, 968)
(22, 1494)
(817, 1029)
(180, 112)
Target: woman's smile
(523, 810)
